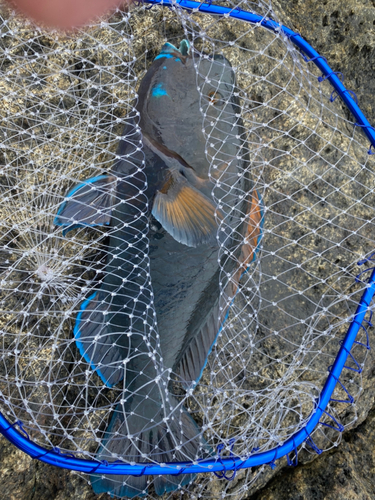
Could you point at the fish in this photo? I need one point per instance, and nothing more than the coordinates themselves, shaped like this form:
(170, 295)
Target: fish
(185, 226)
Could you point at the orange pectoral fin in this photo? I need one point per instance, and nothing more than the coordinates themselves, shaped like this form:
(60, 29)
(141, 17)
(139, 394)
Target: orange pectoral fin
(186, 213)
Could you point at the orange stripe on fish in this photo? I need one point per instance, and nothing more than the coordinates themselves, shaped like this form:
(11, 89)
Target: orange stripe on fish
(253, 230)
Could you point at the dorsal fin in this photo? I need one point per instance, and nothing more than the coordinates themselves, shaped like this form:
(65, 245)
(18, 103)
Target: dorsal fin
(88, 204)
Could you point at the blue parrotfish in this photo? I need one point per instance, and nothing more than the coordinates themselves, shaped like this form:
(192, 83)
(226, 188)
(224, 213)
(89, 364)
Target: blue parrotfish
(182, 227)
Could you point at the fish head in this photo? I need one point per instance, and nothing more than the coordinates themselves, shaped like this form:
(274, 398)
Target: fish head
(188, 104)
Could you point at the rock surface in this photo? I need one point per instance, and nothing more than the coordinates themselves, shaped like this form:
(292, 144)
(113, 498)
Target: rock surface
(347, 472)
(343, 32)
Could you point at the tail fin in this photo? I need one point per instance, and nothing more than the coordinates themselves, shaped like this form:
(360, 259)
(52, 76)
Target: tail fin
(156, 443)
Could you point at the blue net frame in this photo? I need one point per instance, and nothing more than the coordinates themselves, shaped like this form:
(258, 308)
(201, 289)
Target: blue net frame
(222, 466)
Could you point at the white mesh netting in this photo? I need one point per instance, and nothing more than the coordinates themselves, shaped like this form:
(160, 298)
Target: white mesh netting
(119, 264)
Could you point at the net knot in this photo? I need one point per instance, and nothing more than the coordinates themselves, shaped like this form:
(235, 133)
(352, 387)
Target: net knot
(223, 474)
(358, 369)
(272, 464)
(57, 450)
(312, 59)
(369, 324)
(142, 473)
(310, 442)
(371, 260)
(335, 94)
(21, 427)
(367, 127)
(339, 427)
(208, 3)
(368, 321)
(350, 399)
(294, 36)
(324, 77)
(181, 471)
(293, 462)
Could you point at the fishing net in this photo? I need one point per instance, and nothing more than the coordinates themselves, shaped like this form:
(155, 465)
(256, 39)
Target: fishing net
(97, 283)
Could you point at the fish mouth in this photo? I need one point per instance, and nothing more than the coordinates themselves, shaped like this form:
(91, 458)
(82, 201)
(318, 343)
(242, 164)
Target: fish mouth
(180, 54)
(184, 47)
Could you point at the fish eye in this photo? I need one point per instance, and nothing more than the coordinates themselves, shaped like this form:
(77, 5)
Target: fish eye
(215, 98)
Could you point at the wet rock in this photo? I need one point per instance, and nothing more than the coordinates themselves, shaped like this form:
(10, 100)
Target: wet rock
(343, 32)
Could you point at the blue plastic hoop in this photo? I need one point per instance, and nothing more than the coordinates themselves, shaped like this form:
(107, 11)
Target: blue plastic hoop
(68, 461)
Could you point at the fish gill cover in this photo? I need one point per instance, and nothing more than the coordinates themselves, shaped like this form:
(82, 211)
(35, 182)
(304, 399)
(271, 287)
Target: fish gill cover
(183, 207)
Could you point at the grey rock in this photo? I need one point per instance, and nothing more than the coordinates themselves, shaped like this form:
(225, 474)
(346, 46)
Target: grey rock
(343, 32)
(346, 472)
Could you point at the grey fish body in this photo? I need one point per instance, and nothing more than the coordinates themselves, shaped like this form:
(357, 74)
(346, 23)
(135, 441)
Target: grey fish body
(185, 279)
(180, 280)
(183, 252)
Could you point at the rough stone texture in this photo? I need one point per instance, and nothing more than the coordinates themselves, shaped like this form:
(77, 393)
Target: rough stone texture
(346, 472)
(344, 33)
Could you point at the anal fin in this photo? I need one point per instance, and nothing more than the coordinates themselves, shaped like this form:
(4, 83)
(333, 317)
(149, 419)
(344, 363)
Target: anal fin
(195, 357)
(102, 349)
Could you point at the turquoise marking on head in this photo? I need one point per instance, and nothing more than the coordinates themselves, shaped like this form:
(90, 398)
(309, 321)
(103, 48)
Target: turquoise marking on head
(158, 91)
(167, 56)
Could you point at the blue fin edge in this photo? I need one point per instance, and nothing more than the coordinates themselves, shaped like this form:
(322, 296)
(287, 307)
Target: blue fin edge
(168, 48)
(167, 56)
(77, 335)
(69, 195)
(261, 204)
(230, 305)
